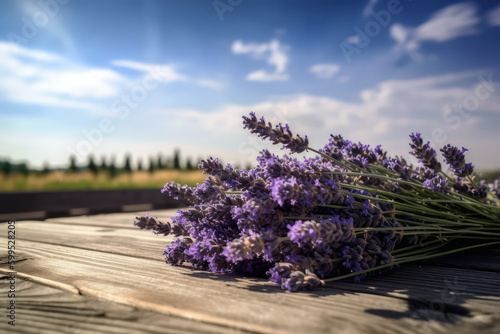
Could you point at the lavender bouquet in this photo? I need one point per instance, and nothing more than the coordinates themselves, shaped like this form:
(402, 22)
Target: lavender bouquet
(350, 211)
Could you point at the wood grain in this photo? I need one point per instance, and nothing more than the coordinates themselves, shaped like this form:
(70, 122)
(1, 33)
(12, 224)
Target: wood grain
(244, 303)
(43, 309)
(133, 242)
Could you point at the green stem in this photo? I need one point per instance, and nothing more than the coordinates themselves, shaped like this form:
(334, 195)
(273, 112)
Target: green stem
(415, 258)
(419, 251)
(415, 246)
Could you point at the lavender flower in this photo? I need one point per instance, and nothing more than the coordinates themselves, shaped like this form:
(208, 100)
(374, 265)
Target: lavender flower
(179, 192)
(495, 188)
(284, 188)
(332, 230)
(299, 280)
(398, 165)
(207, 191)
(464, 186)
(455, 158)
(279, 135)
(150, 223)
(175, 253)
(243, 248)
(437, 184)
(304, 232)
(424, 152)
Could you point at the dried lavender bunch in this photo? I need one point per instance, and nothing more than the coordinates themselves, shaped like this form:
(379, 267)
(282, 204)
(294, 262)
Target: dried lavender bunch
(350, 211)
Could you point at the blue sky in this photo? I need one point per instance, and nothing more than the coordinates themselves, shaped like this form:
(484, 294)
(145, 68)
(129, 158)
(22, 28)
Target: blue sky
(143, 77)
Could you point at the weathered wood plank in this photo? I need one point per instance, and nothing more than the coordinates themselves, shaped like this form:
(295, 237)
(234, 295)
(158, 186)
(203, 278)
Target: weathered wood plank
(439, 287)
(245, 303)
(43, 309)
(101, 238)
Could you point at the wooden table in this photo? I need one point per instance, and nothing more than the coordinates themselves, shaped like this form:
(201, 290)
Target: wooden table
(100, 274)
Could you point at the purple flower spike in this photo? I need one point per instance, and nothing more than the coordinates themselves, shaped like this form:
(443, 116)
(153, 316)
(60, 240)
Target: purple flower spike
(424, 153)
(175, 254)
(244, 248)
(304, 232)
(437, 184)
(278, 135)
(177, 191)
(150, 223)
(495, 188)
(455, 158)
(299, 280)
(284, 188)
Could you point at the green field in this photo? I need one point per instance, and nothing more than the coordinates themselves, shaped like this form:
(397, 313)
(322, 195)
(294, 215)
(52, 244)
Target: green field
(88, 181)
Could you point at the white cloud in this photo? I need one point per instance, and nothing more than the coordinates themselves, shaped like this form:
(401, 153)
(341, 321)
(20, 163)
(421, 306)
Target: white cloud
(493, 17)
(369, 7)
(210, 83)
(273, 52)
(264, 76)
(446, 24)
(385, 113)
(42, 78)
(324, 71)
(166, 73)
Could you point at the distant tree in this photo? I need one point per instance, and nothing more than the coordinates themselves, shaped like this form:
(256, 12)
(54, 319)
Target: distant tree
(7, 168)
(177, 160)
(139, 164)
(248, 166)
(168, 163)
(72, 164)
(112, 168)
(128, 167)
(92, 167)
(152, 167)
(23, 169)
(46, 168)
(104, 165)
(160, 164)
(189, 165)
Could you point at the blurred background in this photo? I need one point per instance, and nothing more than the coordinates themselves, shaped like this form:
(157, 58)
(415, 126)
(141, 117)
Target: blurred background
(132, 94)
